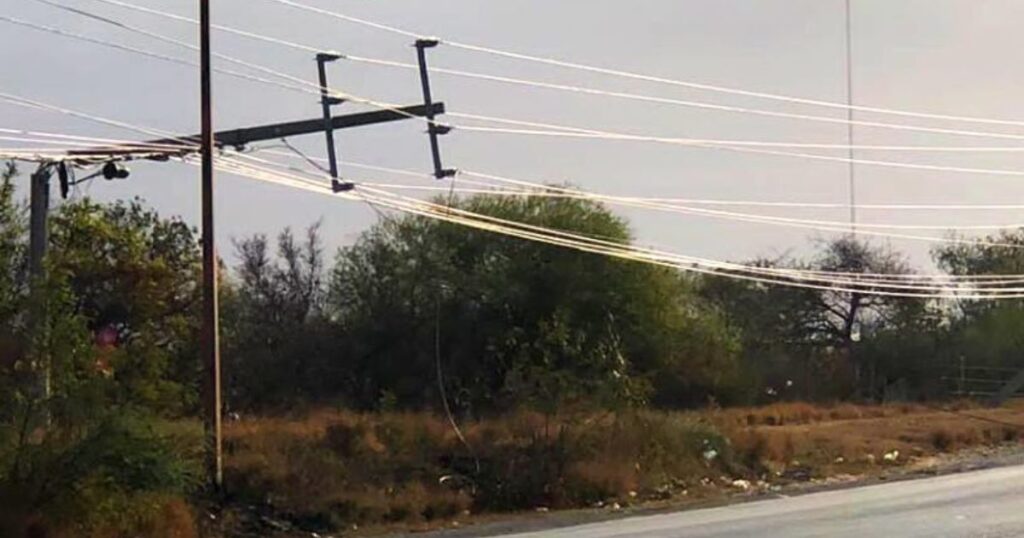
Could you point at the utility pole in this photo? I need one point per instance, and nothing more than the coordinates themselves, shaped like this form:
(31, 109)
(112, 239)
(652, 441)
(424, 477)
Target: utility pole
(209, 141)
(210, 344)
(39, 202)
(38, 228)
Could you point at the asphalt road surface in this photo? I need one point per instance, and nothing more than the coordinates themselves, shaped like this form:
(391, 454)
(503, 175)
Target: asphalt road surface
(987, 503)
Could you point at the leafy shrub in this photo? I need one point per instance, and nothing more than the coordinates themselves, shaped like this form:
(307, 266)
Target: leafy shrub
(113, 478)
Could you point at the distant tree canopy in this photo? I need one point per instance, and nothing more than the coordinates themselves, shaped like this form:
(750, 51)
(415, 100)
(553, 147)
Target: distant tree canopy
(803, 341)
(986, 333)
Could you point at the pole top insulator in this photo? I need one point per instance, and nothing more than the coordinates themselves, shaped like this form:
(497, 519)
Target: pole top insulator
(445, 173)
(427, 42)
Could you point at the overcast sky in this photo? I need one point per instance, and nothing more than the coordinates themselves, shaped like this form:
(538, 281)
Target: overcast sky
(944, 56)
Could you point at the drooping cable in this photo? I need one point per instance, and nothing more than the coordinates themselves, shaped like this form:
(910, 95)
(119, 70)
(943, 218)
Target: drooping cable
(566, 240)
(859, 278)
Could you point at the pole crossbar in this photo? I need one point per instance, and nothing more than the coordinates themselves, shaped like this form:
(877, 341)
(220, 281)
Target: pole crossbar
(239, 138)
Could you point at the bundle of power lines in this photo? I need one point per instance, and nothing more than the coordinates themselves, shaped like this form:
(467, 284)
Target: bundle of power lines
(57, 147)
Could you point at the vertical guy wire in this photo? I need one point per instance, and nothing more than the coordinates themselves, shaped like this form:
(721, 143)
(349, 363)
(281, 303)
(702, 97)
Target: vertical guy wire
(849, 117)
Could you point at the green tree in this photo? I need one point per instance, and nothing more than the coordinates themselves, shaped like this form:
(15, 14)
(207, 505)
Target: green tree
(134, 276)
(276, 335)
(12, 246)
(506, 321)
(986, 333)
(80, 457)
(803, 342)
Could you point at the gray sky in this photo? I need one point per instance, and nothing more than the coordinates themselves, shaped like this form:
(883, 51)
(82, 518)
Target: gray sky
(944, 56)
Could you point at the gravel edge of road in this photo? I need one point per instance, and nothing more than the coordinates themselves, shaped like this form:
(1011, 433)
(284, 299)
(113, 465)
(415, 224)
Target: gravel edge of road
(968, 460)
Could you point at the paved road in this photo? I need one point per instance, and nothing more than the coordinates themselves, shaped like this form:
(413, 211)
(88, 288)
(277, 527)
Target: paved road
(987, 503)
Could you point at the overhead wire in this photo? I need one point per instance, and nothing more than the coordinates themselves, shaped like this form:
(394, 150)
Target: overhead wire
(518, 229)
(993, 278)
(651, 78)
(700, 201)
(834, 229)
(546, 190)
(710, 212)
(570, 131)
(95, 118)
(543, 190)
(578, 131)
(633, 96)
(722, 108)
(227, 29)
(159, 56)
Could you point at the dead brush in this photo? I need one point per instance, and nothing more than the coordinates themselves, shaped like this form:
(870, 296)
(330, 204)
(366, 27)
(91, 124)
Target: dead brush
(330, 469)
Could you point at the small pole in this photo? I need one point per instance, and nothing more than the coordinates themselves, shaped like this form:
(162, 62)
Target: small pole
(39, 212)
(963, 374)
(210, 333)
(433, 129)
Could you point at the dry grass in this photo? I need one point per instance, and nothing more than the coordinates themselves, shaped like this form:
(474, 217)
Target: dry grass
(332, 469)
(790, 413)
(860, 437)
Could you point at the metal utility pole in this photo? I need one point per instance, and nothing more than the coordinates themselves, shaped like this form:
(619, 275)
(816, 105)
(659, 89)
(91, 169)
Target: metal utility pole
(210, 344)
(849, 116)
(327, 102)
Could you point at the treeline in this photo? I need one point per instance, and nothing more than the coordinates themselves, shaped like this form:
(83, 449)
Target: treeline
(419, 314)
(422, 314)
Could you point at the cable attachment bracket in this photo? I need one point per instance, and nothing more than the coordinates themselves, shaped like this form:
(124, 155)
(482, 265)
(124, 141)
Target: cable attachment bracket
(327, 100)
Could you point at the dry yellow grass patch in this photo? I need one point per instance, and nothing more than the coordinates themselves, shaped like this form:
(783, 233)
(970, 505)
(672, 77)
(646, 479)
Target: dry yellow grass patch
(331, 469)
